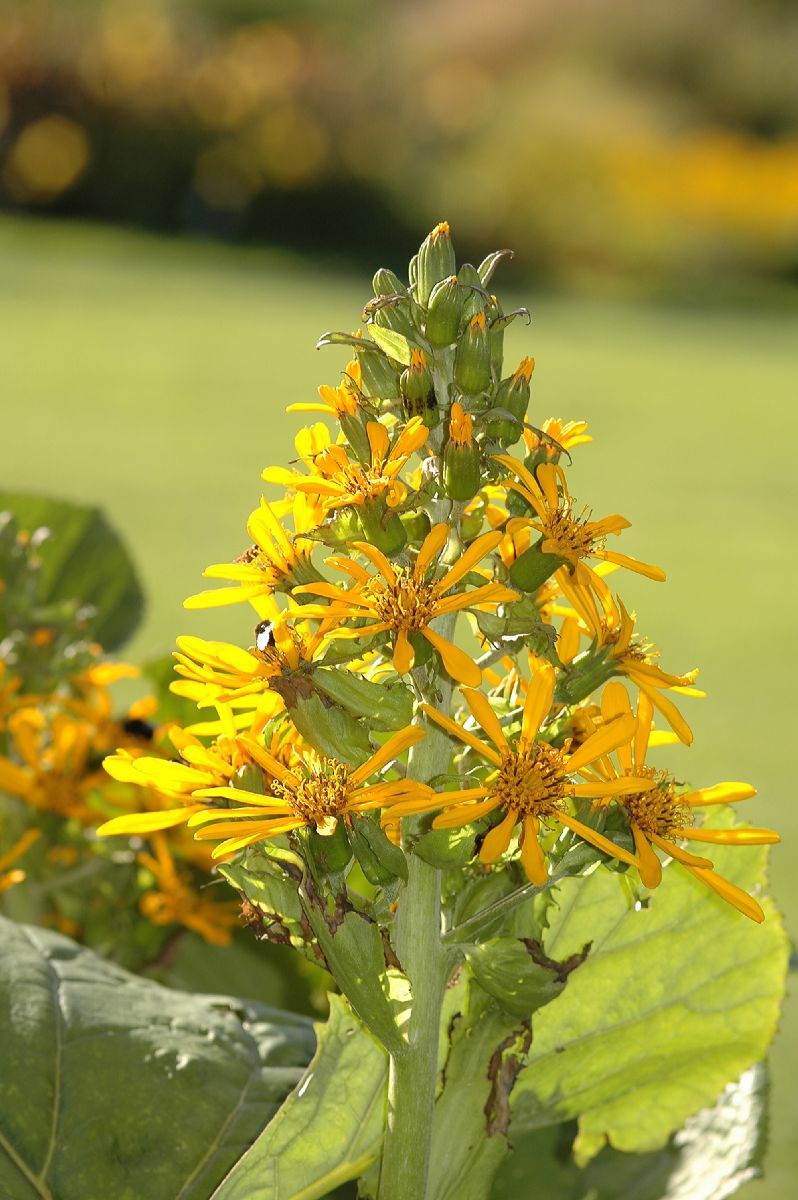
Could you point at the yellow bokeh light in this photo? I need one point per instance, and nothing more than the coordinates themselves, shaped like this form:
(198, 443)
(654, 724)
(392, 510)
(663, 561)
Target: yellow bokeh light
(48, 157)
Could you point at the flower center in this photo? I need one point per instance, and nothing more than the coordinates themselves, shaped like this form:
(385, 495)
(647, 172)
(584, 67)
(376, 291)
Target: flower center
(660, 811)
(407, 604)
(530, 780)
(569, 532)
(321, 796)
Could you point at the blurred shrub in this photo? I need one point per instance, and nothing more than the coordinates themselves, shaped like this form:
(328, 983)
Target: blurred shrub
(599, 137)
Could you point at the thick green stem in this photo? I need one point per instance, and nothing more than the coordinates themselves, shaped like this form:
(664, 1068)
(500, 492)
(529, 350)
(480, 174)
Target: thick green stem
(413, 1072)
(412, 1075)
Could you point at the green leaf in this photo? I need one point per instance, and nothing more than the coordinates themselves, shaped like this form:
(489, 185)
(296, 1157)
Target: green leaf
(675, 1000)
(115, 1086)
(389, 857)
(330, 1128)
(716, 1152)
(445, 848)
(331, 730)
(387, 705)
(84, 560)
(394, 344)
(505, 969)
(353, 947)
(469, 1125)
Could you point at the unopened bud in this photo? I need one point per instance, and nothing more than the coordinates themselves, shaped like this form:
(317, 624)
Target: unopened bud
(415, 384)
(387, 283)
(461, 473)
(473, 290)
(382, 528)
(512, 396)
(472, 358)
(444, 312)
(396, 315)
(435, 261)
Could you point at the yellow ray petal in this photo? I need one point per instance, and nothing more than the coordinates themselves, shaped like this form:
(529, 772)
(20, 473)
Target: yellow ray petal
(455, 661)
(463, 734)
(679, 853)
(483, 713)
(647, 862)
(378, 559)
(472, 555)
(465, 814)
(498, 839)
(395, 746)
(404, 656)
(733, 837)
(731, 893)
(608, 738)
(146, 822)
(665, 706)
(533, 859)
(632, 564)
(597, 839)
(431, 547)
(719, 793)
(537, 701)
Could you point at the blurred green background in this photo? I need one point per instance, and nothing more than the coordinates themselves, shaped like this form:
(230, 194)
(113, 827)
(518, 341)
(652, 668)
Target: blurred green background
(264, 158)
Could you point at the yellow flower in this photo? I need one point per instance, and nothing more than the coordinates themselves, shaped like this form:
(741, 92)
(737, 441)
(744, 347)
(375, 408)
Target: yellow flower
(9, 878)
(174, 900)
(166, 781)
(664, 817)
(461, 425)
(571, 537)
(338, 481)
(281, 658)
(612, 627)
(275, 562)
(335, 401)
(566, 435)
(315, 792)
(403, 600)
(54, 774)
(530, 782)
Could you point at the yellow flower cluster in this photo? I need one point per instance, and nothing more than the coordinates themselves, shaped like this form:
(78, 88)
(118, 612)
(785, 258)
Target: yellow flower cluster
(57, 793)
(428, 518)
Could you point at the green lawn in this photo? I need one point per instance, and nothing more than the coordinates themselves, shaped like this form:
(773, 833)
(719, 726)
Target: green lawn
(151, 377)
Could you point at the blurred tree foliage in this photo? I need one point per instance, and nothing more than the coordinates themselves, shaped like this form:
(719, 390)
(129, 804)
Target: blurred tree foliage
(602, 137)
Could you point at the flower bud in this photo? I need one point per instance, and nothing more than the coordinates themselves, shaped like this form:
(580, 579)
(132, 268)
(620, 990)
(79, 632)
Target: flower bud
(416, 525)
(473, 290)
(387, 283)
(396, 315)
(472, 358)
(532, 568)
(512, 396)
(382, 528)
(444, 312)
(496, 328)
(461, 473)
(415, 384)
(435, 261)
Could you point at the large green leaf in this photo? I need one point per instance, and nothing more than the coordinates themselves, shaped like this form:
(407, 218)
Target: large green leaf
(330, 1128)
(84, 560)
(113, 1086)
(717, 1151)
(673, 1002)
